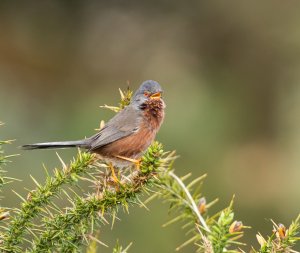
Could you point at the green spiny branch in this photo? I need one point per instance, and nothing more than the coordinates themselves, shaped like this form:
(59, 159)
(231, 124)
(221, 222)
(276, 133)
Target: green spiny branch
(66, 231)
(219, 232)
(3, 160)
(282, 239)
(211, 234)
(4, 212)
(119, 249)
(40, 197)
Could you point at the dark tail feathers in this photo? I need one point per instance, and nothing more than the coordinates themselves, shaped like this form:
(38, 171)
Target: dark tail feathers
(60, 144)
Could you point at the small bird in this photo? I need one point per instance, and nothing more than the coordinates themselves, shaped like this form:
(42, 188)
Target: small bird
(125, 137)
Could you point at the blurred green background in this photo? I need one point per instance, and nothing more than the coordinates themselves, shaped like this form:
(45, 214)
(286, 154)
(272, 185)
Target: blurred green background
(230, 71)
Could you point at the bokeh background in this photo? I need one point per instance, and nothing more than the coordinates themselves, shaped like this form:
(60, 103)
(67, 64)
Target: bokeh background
(230, 71)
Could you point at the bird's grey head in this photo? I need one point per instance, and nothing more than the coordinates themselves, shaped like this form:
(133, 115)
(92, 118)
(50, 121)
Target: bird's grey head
(148, 90)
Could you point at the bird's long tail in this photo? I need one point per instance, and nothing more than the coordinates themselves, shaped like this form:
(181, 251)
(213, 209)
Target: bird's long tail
(60, 144)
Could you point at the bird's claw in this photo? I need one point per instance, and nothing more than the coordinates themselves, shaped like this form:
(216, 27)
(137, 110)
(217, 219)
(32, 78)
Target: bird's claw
(136, 162)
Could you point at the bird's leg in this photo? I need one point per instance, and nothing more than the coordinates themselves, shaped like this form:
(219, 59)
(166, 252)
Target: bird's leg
(136, 162)
(113, 174)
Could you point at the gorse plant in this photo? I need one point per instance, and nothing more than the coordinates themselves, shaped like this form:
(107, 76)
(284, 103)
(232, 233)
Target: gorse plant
(72, 225)
(4, 212)
(21, 222)
(282, 239)
(41, 225)
(3, 160)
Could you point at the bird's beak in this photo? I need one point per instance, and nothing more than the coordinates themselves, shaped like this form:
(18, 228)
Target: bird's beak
(156, 95)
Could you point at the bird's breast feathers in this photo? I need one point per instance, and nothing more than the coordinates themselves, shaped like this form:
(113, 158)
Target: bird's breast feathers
(153, 114)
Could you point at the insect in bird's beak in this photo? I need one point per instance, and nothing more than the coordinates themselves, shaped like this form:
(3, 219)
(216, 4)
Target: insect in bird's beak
(156, 95)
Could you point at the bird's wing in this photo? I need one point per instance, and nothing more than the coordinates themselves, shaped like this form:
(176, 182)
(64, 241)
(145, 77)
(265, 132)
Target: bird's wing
(123, 124)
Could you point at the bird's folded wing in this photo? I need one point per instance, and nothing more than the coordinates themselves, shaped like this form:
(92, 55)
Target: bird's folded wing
(123, 124)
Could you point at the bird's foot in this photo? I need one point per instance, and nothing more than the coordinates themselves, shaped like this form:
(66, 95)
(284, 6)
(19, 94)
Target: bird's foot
(136, 162)
(113, 174)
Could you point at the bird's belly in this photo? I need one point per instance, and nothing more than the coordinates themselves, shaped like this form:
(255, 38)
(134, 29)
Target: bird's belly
(131, 146)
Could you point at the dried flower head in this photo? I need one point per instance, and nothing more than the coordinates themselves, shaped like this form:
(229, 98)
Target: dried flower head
(202, 205)
(236, 226)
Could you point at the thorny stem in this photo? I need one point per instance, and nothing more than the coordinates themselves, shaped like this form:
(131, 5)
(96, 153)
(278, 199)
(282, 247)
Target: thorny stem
(68, 223)
(40, 197)
(195, 208)
(65, 230)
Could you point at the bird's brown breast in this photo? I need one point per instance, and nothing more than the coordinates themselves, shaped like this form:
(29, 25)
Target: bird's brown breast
(154, 114)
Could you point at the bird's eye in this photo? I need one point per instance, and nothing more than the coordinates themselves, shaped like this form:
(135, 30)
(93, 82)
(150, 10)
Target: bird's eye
(146, 93)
